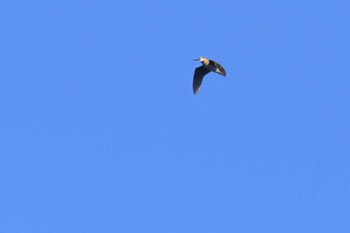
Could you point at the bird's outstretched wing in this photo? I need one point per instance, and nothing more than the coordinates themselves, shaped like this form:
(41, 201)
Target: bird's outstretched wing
(199, 74)
(220, 68)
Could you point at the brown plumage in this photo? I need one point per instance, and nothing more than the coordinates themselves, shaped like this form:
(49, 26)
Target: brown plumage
(205, 68)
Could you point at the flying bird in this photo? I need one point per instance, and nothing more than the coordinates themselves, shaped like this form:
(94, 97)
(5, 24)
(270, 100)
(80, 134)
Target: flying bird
(205, 68)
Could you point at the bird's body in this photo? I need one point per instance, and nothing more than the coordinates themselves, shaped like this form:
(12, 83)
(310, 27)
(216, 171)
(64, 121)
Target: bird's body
(206, 67)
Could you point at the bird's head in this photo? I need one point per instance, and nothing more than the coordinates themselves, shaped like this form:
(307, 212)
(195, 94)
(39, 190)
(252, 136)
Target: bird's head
(201, 59)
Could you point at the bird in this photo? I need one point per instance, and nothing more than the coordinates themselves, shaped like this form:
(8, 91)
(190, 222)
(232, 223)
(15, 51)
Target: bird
(205, 68)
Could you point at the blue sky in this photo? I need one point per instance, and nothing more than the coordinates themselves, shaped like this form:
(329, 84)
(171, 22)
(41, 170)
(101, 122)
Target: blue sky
(101, 132)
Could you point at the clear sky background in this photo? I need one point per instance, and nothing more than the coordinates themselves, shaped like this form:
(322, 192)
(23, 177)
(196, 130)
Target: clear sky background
(100, 130)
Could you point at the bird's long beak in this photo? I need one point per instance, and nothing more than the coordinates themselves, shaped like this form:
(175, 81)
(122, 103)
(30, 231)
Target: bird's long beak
(197, 59)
